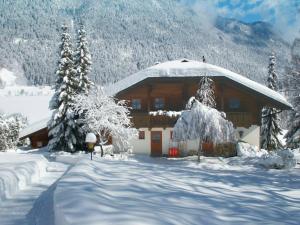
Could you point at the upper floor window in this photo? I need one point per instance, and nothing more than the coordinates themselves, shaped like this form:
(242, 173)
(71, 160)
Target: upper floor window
(136, 104)
(159, 103)
(234, 103)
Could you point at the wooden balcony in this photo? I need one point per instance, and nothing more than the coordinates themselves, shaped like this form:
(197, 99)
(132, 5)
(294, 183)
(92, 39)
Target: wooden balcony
(240, 119)
(143, 119)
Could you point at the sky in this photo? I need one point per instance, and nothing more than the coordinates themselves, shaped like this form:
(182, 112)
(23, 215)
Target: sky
(284, 15)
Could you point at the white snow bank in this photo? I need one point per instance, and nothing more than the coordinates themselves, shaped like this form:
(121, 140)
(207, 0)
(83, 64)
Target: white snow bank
(144, 190)
(279, 159)
(246, 150)
(17, 171)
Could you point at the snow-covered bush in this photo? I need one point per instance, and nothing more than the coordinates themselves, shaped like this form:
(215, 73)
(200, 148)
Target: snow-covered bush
(106, 117)
(10, 127)
(281, 159)
(203, 123)
(246, 150)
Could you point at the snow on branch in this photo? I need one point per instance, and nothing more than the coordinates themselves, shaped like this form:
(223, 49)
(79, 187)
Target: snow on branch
(106, 117)
(204, 123)
(165, 113)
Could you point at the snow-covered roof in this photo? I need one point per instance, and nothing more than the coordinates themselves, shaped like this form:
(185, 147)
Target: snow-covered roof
(191, 68)
(34, 127)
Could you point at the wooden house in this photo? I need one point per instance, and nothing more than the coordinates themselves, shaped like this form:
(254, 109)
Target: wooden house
(158, 94)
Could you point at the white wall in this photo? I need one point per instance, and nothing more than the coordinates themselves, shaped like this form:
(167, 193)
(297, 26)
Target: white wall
(250, 135)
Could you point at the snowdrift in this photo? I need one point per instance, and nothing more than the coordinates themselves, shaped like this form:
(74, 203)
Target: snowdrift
(279, 159)
(17, 172)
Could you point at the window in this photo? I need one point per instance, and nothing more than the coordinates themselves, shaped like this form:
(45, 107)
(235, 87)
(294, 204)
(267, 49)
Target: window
(159, 103)
(234, 103)
(141, 135)
(171, 135)
(136, 104)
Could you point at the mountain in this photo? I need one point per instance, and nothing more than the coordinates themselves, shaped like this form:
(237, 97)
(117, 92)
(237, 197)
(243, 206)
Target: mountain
(128, 35)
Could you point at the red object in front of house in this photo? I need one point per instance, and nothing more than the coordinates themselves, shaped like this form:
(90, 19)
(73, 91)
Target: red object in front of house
(173, 152)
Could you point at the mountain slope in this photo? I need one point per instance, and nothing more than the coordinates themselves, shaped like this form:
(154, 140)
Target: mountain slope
(128, 35)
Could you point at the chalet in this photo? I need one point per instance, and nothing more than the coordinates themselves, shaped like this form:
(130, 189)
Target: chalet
(158, 94)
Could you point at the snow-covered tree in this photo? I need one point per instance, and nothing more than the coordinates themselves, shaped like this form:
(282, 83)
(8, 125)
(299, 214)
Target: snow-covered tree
(106, 118)
(10, 127)
(83, 61)
(205, 92)
(63, 130)
(293, 134)
(293, 76)
(203, 123)
(270, 128)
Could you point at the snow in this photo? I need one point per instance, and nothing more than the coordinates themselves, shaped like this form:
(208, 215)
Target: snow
(27, 183)
(17, 172)
(191, 68)
(245, 150)
(277, 159)
(7, 77)
(165, 113)
(144, 190)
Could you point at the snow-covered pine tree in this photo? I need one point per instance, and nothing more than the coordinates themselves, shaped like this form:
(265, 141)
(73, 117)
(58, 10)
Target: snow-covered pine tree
(83, 61)
(205, 92)
(3, 133)
(293, 134)
(63, 130)
(293, 76)
(270, 128)
(83, 68)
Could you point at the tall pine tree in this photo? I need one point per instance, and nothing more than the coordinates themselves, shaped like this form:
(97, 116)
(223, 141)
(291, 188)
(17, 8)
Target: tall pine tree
(270, 120)
(293, 134)
(205, 92)
(83, 68)
(83, 61)
(63, 130)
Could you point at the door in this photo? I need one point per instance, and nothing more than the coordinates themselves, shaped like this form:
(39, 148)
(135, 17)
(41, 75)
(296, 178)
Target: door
(156, 143)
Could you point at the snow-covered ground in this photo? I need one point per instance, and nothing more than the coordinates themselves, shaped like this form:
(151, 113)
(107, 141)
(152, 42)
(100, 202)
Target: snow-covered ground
(27, 182)
(36, 188)
(143, 190)
(16, 97)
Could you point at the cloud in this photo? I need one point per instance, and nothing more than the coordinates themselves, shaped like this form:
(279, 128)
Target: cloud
(284, 15)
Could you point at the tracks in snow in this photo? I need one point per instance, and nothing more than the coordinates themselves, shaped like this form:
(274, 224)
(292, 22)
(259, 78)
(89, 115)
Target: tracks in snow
(33, 205)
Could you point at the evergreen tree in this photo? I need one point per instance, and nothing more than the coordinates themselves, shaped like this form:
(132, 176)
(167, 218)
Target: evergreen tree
(83, 67)
(63, 130)
(83, 61)
(205, 93)
(293, 75)
(270, 120)
(293, 134)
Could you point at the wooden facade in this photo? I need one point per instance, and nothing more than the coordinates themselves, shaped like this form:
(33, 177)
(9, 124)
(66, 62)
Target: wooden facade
(39, 138)
(242, 107)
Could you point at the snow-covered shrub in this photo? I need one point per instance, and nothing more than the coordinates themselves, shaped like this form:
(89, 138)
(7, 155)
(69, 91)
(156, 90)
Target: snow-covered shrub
(246, 150)
(281, 159)
(10, 127)
(203, 123)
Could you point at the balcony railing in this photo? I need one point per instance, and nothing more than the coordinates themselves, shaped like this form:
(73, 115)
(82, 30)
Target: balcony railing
(143, 119)
(240, 119)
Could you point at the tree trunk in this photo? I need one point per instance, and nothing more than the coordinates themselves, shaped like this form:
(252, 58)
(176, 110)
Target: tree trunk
(101, 150)
(199, 149)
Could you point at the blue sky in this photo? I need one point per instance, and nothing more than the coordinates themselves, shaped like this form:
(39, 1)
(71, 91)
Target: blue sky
(284, 15)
